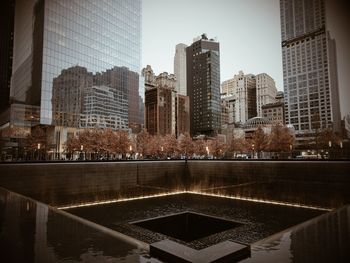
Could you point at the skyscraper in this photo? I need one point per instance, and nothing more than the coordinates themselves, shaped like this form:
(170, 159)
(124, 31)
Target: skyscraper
(245, 104)
(180, 68)
(309, 68)
(265, 91)
(6, 47)
(159, 102)
(53, 35)
(203, 86)
(182, 114)
(240, 91)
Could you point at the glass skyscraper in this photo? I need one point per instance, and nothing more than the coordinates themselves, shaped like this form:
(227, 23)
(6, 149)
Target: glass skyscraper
(96, 36)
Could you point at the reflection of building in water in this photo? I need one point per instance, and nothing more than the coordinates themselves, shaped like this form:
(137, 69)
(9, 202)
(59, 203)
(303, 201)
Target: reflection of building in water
(327, 238)
(18, 225)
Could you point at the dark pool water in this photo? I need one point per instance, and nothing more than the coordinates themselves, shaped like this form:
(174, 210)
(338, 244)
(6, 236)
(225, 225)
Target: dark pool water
(258, 220)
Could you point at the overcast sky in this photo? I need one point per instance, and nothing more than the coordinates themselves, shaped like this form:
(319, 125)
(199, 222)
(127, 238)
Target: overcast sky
(248, 31)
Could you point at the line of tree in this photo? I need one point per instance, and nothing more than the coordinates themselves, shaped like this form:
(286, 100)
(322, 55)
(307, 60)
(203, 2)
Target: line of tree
(95, 144)
(117, 144)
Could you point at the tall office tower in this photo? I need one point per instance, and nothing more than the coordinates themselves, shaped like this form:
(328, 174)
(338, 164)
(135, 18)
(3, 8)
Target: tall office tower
(182, 114)
(159, 102)
(180, 68)
(265, 91)
(228, 87)
(203, 86)
(309, 68)
(51, 36)
(245, 104)
(239, 95)
(6, 46)
(228, 109)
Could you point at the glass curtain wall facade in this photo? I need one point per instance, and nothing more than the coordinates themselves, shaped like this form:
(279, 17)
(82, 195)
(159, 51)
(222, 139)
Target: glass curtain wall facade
(6, 48)
(96, 36)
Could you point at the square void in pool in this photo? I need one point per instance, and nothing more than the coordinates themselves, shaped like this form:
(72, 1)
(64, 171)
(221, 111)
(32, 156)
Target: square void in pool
(187, 226)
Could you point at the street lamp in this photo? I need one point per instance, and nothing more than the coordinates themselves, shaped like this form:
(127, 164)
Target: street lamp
(39, 145)
(130, 150)
(341, 149)
(207, 149)
(81, 152)
(253, 150)
(161, 152)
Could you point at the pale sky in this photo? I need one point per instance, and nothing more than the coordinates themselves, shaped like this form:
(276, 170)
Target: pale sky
(248, 31)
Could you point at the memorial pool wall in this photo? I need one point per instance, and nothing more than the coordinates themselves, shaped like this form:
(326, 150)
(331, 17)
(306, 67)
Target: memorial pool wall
(67, 183)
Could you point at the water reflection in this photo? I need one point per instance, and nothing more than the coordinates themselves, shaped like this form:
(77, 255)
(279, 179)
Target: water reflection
(318, 194)
(33, 232)
(323, 239)
(258, 220)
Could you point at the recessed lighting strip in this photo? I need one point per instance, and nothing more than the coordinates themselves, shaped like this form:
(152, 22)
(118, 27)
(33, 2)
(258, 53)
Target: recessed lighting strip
(197, 193)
